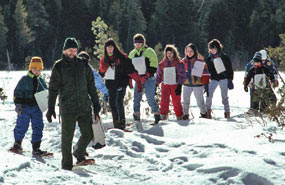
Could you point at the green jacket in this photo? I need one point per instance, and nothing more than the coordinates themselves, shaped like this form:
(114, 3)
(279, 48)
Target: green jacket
(151, 60)
(73, 81)
(27, 87)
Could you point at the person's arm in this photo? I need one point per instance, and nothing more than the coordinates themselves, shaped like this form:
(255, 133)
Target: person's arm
(228, 66)
(92, 91)
(99, 83)
(159, 75)
(54, 85)
(181, 74)
(153, 60)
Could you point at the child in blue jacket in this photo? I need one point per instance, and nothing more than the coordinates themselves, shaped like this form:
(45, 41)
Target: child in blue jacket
(28, 109)
(97, 78)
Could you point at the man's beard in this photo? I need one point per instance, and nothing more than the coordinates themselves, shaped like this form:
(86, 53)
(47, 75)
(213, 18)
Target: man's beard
(70, 56)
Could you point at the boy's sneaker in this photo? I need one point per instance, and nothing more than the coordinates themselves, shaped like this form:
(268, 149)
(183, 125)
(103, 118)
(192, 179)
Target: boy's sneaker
(39, 152)
(79, 158)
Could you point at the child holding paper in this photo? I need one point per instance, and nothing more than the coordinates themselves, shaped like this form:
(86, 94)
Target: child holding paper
(221, 74)
(28, 109)
(171, 73)
(262, 94)
(197, 78)
(117, 69)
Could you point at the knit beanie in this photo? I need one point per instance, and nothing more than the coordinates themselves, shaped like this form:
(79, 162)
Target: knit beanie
(257, 57)
(70, 42)
(139, 39)
(36, 63)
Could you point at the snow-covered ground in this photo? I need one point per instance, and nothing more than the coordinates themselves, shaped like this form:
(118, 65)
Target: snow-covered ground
(199, 151)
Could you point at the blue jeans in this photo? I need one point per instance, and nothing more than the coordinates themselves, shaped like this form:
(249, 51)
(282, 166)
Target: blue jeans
(224, 92)
(149, 87)
(33, 114)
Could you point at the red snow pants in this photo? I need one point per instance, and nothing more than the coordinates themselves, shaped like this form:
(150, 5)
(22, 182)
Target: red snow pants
(166, 91)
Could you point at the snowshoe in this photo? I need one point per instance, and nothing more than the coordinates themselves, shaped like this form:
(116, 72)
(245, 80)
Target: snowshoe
(85, 162)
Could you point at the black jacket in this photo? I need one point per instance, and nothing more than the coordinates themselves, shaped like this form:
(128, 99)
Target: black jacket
(259, 70)
(73, 81)
(228, 74)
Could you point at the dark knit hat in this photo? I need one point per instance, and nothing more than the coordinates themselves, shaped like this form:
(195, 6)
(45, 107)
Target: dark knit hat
(70, 42)
(257, 57)
(36, 63)
(139, 39)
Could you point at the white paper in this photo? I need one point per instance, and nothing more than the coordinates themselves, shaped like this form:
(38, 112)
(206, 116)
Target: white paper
(197, 69)
(110, 74)
(260, 80)
(98, 132)
(42, 100)
(139, 63)
(219, 66)
(169, 76)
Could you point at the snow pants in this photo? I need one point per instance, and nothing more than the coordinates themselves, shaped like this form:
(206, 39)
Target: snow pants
(198, 93)
(166, 92)
(67, 130)
(33, 114)
(224, 92)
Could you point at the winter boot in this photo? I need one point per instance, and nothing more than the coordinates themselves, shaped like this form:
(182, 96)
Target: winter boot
(136, 116)
(79, 158)
(17, 147)
(36, 149)
(156, 118)
(227, 115)
(163, 117)
(209, 113)
(186, 117)
(205, 115)
(179, 118)
(122, 124)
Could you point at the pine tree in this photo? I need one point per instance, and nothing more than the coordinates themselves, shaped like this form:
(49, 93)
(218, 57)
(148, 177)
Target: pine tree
(23, 31)
(278, 53)
(38, 21)
(3, 37)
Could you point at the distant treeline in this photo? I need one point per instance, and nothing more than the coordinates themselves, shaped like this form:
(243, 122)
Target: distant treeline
(39, 27)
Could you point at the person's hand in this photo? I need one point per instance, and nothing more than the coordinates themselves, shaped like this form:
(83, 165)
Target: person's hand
(206, 89)
(50, 113)
(106, 97)
(178, 89)
(245, 88)
(230, 84)
(19, 109)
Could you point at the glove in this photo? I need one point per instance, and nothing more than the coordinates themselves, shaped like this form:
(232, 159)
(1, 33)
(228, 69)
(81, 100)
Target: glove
(178, 89)
(206, 89)
(50, 112)
(230, 84)
(106, 97)
(275, 84)
(131, 83)
(245, 88)
(19, 109)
